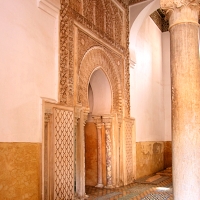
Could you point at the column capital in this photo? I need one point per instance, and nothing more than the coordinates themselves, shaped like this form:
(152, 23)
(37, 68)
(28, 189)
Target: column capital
(97, 121)
(47, 117)
(172, 4)
(85, 114)
(107, 120)
(181, 11)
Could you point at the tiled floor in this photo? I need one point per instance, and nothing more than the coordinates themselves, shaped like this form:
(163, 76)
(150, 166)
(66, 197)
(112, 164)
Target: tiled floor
(159, 190)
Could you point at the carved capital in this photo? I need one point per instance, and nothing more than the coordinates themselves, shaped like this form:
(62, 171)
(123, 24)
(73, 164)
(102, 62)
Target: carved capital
(85, 114)
(47, 117)
(172, 4)
(181, 11)
(97, 121)
(77, 111)
(107, 120)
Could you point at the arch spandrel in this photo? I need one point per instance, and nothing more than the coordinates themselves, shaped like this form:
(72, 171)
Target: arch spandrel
(94, 58)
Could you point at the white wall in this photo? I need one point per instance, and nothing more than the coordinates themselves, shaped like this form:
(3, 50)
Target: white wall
(147, 97)
(29, 68)
(167, 83)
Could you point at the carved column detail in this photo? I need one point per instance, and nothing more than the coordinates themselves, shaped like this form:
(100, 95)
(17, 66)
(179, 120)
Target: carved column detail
(119, 118)
(185, 78)
(107, 122)
(99, 161)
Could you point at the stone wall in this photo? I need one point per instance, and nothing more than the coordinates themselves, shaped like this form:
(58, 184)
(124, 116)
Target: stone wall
(149, 158)
(167, 154)
(20, 172)
(152, 157)
(90, 154)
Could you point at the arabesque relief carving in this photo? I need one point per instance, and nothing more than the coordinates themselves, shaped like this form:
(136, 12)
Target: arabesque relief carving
(129, 150)
(108, 23)
(172, 4)
(94, 58)
(87, 43)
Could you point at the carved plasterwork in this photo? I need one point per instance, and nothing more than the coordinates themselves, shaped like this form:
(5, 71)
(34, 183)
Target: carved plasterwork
(97, 57)
(181, 11)
(129, 149)
(47, 117)
(171, 4)
(86, 43)
(108, 21)
(63, 154)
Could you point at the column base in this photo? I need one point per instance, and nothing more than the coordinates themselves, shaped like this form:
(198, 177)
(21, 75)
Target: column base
(109, 186)
(100, 185)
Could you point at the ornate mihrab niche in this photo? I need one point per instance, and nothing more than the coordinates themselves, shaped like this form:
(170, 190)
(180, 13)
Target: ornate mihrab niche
(96, 30)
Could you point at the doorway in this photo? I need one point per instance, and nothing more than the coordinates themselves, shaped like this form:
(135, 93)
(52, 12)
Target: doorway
(100, 101)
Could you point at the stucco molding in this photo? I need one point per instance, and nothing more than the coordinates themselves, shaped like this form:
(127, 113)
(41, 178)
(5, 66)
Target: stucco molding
(52, 7)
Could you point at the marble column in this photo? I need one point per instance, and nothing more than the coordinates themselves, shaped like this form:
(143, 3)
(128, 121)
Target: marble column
(107, 123)
(185, 78)
(80, 152)
(97, 121)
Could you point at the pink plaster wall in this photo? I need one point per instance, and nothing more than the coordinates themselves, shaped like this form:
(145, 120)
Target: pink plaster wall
(147, 94)
(29, 68)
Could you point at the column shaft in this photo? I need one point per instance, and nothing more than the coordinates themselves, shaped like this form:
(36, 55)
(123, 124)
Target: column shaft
(185, 77)
(99, 161)
(107, 122)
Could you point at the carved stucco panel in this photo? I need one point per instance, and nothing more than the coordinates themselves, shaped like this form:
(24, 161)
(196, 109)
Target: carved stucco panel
(94, 58)
(86, 42)
(113, 34)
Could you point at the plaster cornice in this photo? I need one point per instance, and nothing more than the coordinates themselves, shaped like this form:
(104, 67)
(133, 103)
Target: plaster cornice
(52, 7)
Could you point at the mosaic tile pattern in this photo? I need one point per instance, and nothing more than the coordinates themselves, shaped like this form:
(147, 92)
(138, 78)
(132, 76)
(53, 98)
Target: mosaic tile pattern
(108, 196)
(157, 181)
(135, 191)
(159, 196)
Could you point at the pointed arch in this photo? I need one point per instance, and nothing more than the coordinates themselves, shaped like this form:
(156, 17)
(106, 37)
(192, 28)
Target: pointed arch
(94, 58)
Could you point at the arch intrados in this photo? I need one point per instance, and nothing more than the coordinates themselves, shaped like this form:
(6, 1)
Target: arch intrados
(101, 91)
(93, 58)
(100, 68)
